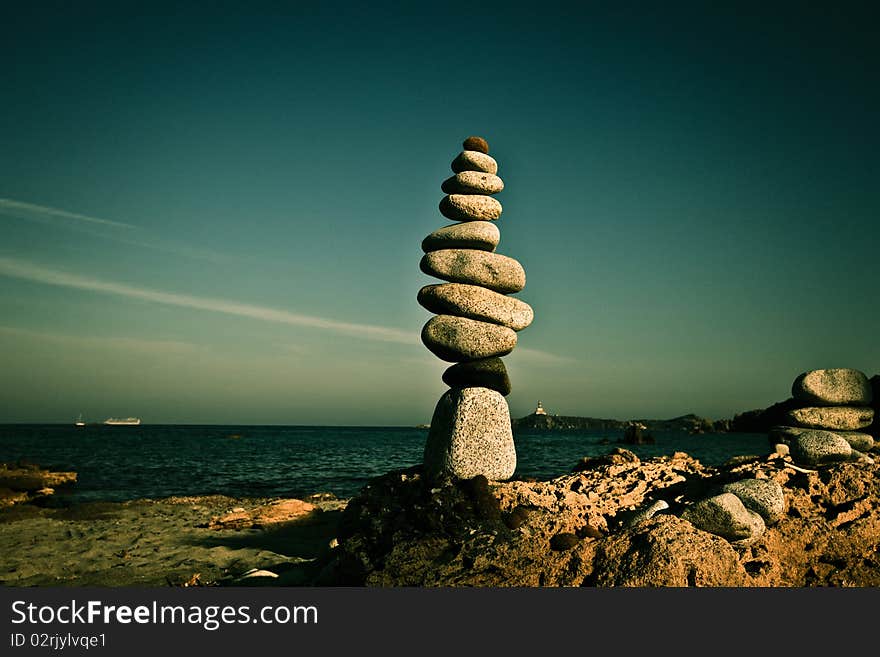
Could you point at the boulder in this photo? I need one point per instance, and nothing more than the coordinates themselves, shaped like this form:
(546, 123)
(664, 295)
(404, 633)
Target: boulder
(833, 387)
(725, 515)
(763, 496)
(820, 447)
(844, 418)
(863, 442)
(470, 435)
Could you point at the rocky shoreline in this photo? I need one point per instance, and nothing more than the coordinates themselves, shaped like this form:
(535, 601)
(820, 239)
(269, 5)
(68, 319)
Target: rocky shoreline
(615, 521)
(807, 513)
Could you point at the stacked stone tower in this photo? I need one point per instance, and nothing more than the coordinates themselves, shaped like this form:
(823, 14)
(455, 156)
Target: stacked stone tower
(476, 323)
(830, 415)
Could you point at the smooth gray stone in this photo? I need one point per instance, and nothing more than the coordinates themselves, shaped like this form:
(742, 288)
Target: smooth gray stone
(819, 447)
(725, 515)
(473, 182)
(843, 418)
(470, 435)
(856, 439)
(457, 339)
(834, 387)
(470, 207)
(492, 270)
(483, 373)
(763, 496)
(474, 161)
(481, 235)
(786, 435)
(476, 302)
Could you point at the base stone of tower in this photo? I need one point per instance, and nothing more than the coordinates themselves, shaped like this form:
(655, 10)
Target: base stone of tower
(470, 435)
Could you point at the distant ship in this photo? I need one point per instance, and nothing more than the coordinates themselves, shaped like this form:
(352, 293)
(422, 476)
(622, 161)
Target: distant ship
(123, 421)
(79, 421)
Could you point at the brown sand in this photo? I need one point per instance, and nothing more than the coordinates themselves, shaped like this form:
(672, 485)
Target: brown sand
(160, 543)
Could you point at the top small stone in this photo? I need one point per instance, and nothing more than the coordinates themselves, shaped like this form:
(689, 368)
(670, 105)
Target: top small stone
(476, 144)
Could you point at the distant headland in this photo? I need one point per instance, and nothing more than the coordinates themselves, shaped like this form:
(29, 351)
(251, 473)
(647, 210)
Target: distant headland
(690, 423)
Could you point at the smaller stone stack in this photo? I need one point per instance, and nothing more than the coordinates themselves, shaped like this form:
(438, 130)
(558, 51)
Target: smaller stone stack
(476, 323)
(874, 429)
(833, 409)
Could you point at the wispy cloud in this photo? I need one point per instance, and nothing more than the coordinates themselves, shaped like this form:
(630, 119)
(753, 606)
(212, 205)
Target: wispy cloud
(118, 342)
(23, 210)
(115, 231)
(28, 271)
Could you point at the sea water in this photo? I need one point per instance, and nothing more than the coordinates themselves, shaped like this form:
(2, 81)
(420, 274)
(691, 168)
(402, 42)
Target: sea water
(153, 461)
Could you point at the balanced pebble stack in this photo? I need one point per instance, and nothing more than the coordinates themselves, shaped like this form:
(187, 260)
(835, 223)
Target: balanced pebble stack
(874, 429)
(476, 323)
(833, 411)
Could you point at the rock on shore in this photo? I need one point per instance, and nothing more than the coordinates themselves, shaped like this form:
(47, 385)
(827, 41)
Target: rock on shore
(589, 527)
(25, 483)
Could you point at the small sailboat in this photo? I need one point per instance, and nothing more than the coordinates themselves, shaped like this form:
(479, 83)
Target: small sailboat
(79, 421)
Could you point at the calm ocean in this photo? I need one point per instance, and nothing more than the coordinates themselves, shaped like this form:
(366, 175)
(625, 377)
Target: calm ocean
(123, 463)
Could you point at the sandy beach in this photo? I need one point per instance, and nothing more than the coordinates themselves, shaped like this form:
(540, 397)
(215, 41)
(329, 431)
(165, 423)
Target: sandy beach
(166, 542)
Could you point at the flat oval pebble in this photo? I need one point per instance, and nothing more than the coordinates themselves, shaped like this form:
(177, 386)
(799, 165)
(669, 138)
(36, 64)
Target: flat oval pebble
(834, 387)
(491, 270)
(863, 442)
(473, 182)
(476, 302)
(481, 235)
(725, 515)
(844, 418)
(470, 207)
(763, 496)
(456, 339)
(474, 143)
(484, 373)
(474, 161)
(818, 447)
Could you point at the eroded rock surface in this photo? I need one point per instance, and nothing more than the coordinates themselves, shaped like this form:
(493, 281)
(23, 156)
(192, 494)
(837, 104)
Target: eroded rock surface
(578, 529)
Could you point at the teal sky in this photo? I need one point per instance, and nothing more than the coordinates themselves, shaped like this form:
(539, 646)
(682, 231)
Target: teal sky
(215, 216)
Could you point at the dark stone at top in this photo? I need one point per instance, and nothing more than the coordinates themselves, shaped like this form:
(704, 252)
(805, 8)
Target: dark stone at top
(476, 144)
